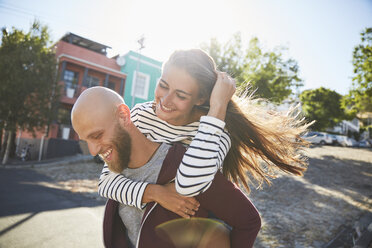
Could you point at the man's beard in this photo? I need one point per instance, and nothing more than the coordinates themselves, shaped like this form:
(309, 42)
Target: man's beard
(122, 145)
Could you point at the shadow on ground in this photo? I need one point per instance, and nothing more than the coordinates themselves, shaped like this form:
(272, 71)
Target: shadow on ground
(309, 211)
(22, 191)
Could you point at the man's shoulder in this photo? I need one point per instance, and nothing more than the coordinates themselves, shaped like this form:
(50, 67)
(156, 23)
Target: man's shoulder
(172, 147)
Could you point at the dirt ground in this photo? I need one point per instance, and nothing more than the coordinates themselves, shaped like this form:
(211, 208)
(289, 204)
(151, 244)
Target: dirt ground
(296, 211)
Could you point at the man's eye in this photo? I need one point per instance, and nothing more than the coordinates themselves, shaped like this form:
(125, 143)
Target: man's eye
(97, 136)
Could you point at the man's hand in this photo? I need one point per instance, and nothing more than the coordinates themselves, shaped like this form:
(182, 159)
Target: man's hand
(167, 197)
(221, 94)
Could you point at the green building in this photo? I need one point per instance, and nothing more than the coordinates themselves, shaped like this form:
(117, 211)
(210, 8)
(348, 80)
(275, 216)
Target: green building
(142, 73)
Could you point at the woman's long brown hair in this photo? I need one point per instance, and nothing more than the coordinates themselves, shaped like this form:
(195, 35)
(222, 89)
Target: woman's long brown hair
(262, 140)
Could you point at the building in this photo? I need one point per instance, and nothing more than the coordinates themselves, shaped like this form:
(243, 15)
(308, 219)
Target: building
(345, 127)
(143, 73)
(82, 63)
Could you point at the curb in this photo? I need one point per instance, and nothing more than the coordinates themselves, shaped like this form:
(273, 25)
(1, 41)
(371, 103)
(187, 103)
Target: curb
(56, 162)
(357, 236)
(365, 239)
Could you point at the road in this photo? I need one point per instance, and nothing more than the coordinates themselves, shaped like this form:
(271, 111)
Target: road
(32, 214)
(40, 207)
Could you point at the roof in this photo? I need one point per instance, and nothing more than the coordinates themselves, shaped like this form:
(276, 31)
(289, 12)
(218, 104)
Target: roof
(85, 43)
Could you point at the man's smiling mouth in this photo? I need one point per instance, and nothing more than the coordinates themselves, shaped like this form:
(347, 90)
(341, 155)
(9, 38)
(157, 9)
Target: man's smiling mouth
(107, 154)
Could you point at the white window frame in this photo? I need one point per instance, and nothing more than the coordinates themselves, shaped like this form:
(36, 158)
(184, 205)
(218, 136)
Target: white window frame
(147, 85)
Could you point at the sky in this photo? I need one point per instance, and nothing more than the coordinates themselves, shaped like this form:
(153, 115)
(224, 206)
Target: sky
(319, 34)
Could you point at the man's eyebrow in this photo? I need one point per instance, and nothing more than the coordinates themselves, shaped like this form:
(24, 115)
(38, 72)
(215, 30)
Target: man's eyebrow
(94, 134)
(181, 91)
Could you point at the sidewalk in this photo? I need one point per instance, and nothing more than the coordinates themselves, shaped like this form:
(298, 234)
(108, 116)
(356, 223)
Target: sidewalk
(16, 163)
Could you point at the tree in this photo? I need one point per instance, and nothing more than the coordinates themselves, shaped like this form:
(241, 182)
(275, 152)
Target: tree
(28, 75)
(322, 105)
(359, 98)
(265, 71)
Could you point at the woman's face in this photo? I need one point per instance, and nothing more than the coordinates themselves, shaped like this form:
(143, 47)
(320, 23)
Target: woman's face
(176, 95)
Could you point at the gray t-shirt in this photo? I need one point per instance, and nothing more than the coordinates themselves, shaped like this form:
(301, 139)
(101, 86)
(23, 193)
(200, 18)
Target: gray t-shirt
(132, 216)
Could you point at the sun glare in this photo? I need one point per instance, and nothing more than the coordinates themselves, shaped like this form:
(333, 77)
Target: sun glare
(168, 25)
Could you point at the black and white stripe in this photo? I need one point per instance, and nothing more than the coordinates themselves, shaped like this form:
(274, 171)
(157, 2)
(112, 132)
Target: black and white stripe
(208, 145)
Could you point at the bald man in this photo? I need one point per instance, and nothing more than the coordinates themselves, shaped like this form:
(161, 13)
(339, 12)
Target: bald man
(101, 118)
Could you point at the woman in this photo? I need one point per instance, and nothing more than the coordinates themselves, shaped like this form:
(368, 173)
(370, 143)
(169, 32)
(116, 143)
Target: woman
(191, 89)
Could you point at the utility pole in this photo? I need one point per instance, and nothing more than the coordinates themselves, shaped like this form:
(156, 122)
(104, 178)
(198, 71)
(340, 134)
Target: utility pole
(141, 42)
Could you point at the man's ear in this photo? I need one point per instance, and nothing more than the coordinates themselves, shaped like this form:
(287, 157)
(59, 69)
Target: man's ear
(123, 114)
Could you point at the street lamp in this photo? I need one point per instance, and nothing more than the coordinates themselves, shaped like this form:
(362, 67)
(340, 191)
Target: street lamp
(141, 42)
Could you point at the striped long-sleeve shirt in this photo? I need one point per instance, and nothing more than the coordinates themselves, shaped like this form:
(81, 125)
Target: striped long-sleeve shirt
(208, 145)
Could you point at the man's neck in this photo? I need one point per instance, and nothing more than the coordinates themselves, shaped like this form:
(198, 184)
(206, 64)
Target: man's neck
(142, 148)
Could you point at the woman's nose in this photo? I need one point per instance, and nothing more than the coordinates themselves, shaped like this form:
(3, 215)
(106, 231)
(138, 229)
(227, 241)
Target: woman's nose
(167, 99)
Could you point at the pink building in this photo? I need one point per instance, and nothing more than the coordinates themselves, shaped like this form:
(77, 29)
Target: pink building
(82, 63)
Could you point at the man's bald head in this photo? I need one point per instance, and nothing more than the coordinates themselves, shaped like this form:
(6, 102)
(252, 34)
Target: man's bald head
(96, 106)
(97, 100)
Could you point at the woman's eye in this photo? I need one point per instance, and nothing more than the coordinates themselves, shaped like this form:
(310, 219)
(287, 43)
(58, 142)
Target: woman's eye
(181, 97)
(163, 86)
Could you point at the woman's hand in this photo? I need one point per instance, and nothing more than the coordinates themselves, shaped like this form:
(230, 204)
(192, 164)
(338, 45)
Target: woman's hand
(167, 197)
(221, 94)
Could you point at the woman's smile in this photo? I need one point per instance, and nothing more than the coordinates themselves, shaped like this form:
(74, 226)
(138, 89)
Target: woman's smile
(164, 108)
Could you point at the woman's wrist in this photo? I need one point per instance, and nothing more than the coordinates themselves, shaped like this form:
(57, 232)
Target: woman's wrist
(149, 195)
(218, 111)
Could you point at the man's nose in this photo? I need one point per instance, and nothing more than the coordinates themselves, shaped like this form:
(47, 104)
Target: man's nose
(94, 148)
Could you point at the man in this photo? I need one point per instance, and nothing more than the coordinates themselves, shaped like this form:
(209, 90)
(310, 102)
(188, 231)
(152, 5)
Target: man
(101, 118)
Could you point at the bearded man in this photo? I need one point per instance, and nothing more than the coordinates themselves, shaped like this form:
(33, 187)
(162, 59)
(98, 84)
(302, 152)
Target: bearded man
(101, 118)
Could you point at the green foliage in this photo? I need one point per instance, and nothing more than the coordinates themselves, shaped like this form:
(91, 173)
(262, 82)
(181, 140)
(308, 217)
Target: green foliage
(322, 105)
(359, 98)
(265, 71)
(27, 78)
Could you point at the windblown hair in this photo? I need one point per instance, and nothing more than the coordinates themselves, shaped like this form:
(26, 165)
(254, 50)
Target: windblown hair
(262, 140)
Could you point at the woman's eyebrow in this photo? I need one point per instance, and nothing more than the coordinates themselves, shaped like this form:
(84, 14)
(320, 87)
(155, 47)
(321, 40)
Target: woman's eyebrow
(164, 81)
(181, 91)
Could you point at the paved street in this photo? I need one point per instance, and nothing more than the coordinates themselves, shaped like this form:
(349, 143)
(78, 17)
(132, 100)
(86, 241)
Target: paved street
(35, 215)
(57, 205)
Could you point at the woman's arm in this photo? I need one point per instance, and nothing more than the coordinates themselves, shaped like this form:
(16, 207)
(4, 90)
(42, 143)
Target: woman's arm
(121, 189)
(203, 158)
(209, 148)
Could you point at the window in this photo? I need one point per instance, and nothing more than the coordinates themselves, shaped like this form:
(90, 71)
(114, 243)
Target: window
(111, 85)
(71, 78)
(91, 82)
(64, 116)
(140, 85)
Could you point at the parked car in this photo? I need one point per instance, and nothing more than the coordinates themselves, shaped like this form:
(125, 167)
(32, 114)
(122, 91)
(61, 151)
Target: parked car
(342, 140)
(334, 140)
(364, 144)
(346, 141)
(318, 138)
(353, 142)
